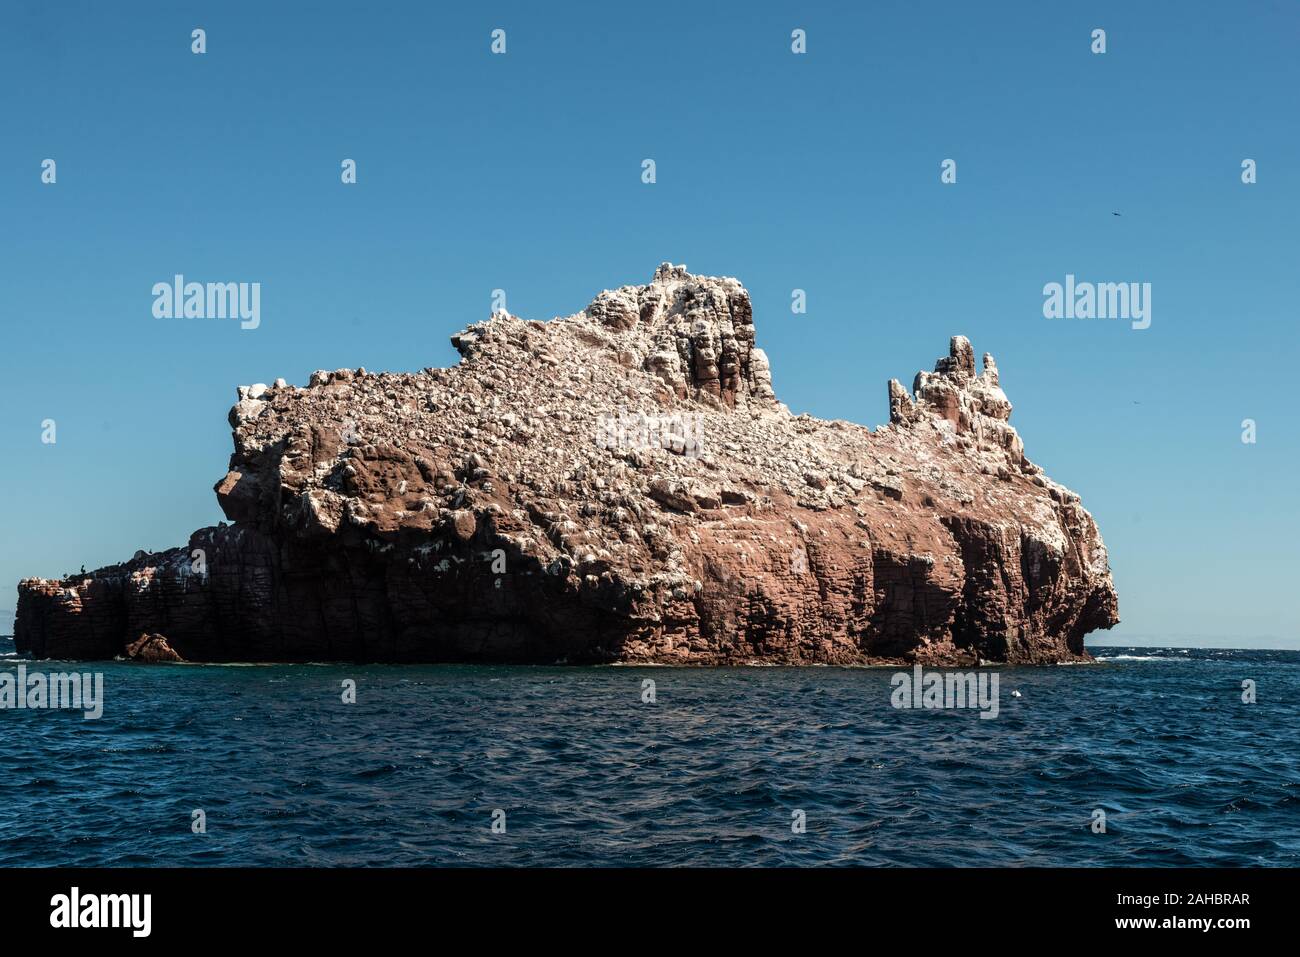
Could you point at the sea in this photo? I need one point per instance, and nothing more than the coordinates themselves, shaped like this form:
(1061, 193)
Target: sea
(1149, 757)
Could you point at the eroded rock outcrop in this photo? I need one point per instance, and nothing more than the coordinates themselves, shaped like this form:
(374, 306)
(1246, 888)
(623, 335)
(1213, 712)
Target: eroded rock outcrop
(151, 649)
(618, 485)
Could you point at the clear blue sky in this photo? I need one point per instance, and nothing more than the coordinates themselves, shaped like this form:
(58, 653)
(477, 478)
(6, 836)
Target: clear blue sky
(523, 172)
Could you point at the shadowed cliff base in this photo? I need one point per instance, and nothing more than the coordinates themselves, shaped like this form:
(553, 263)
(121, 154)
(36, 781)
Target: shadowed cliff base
(621, 484)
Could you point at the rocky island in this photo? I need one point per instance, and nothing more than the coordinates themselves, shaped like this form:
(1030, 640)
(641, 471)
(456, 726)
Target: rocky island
(619, 485)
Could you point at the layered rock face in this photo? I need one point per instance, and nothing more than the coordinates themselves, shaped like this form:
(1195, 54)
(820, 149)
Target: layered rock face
(618, 485)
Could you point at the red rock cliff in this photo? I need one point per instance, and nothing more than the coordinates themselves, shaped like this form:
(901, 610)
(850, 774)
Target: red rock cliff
(617, 485)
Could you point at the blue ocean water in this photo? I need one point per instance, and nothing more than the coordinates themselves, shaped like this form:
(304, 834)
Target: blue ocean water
(710, 774)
